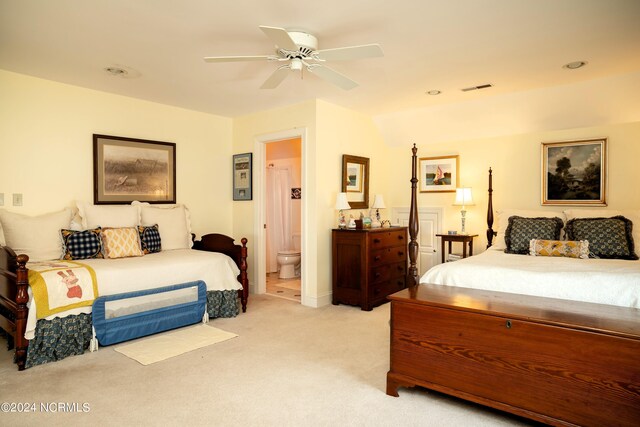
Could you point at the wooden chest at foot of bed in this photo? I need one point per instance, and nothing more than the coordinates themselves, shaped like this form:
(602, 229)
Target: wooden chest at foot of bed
(556, 361)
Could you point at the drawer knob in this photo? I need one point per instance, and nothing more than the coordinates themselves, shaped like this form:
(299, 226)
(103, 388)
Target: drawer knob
(400, 237)
(376, 240)
(377, 258)
(377, 274)
(400, 253)
(508, 324)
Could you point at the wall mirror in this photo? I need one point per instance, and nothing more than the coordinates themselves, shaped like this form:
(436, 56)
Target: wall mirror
(355, 180)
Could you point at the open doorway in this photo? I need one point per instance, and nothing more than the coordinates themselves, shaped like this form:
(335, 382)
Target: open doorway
(283, 215)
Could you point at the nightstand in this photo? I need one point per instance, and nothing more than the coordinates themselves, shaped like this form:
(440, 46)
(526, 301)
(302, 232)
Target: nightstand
(465, 239)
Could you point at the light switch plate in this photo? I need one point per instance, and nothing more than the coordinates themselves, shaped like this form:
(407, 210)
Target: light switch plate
(1, 199)
(17, 199)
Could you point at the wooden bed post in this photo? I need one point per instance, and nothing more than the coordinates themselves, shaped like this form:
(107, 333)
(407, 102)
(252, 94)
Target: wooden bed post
(243, 275)
(22, 297)
(490, 232)
(412, 273)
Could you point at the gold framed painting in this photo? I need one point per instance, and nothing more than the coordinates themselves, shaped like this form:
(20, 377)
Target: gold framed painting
(574, 173)
(439, 174)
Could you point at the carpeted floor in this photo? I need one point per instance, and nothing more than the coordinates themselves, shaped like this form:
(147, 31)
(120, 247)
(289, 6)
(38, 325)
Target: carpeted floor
(290, 366)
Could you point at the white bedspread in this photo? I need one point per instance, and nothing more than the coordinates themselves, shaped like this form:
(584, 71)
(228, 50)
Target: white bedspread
(164, 268)
(602, 281)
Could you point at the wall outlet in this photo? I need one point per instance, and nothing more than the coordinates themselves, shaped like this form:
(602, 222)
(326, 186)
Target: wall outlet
(17, 199)
(1, 199)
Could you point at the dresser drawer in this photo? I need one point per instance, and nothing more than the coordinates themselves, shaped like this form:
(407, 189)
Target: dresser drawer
(387, 238)
(388, 255)
(379, 291)
(388, 271)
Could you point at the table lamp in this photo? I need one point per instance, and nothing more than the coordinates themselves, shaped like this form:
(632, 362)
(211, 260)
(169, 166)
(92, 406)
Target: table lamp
(463, 198)
(341, 205)
(378, 203)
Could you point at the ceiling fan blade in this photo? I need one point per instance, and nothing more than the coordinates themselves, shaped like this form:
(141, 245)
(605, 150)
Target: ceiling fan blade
(351, 52)
(332, 76)
(276, 78)
(237, 58)
(280, 37)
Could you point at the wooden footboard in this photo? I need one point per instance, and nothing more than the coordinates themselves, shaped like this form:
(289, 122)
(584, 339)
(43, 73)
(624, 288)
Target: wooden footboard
(225, 244)
(13, 301)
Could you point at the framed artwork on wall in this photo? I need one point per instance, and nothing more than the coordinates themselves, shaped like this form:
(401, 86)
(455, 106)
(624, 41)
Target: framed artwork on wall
(128, 169)
(439, 174)
(355, 180)
(574, 172)
(242, 176)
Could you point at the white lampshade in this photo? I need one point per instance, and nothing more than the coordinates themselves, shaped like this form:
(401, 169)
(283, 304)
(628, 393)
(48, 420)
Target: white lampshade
(463, 197)
(341, 202)
(378, 202)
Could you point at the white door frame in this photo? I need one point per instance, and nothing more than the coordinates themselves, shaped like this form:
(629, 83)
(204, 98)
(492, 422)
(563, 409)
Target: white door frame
(260, 217)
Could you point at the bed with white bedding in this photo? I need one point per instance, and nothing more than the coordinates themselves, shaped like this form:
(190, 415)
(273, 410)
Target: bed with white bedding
(601, 281)
(119, 250)
(570, 357)
(116, 276)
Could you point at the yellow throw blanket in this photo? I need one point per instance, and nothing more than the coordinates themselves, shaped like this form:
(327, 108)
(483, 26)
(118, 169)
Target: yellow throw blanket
(58, 286)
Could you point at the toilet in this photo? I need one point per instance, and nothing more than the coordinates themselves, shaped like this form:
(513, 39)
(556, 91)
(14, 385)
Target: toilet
(289, 260)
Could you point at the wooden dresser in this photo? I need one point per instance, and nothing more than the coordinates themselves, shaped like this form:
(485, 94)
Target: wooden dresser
(561, 362)
(368, 265)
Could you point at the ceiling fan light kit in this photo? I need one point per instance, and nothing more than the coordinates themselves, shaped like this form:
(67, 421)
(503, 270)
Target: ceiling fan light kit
(300, 50)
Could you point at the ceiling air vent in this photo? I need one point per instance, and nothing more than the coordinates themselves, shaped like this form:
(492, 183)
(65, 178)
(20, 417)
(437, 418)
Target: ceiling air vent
(484, 86)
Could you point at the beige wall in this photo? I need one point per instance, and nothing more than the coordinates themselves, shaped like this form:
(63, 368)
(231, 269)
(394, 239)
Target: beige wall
(46, 147)
(515, 161)
(48, 126)
(331, 131)
(247, 130)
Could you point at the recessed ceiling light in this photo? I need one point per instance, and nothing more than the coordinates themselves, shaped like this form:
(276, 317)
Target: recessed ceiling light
(574, 65)
(115, 71)
(434, 92)
(122, 71)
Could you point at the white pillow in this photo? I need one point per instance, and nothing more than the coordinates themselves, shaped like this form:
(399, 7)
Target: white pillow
(173, 224)
(632, 214)
(36, 236)
(502, 221)
(115, 216)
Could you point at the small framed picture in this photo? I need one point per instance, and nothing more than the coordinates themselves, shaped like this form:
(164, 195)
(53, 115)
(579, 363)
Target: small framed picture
(439, 174)
(242, 176)
(574, 172)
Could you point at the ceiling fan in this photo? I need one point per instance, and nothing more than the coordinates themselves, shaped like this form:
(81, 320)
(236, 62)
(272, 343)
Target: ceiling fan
(299, 50)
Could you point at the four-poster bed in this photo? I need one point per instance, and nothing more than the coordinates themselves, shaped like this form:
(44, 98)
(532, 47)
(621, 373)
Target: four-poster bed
(558, 361)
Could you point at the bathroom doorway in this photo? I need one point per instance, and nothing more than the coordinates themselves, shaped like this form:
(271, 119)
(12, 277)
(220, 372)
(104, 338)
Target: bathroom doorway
(283, 205)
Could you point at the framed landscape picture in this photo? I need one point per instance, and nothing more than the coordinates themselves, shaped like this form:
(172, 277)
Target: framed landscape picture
(574, 172)
(439, 174)
(128, 169)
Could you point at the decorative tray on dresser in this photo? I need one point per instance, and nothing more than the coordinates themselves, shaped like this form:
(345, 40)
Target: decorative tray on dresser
(368, 265)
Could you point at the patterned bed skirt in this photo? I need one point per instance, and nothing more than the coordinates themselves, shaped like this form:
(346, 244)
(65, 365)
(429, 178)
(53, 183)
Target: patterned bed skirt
(62, 337)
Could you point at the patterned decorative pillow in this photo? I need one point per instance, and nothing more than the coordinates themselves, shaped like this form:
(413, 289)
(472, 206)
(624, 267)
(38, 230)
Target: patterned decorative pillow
(563, 248)
(150, 238)
(121, 242)
(521, 230)
(82, 244)
(608, 237)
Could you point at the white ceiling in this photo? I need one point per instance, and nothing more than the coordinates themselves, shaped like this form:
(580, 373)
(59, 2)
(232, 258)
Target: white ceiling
(517, 45)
